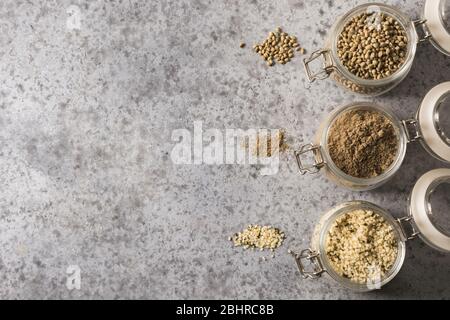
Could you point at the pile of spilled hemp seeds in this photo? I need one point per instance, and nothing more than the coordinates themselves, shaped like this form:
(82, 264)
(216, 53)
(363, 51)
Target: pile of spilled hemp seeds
(259, 237)
(363, 143)
(278, 47)
(373, 46)
(361, 246)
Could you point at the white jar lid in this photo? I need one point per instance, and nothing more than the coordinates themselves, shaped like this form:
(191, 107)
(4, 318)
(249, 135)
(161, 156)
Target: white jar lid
(420, 209)
(437, 16)
(429, 128)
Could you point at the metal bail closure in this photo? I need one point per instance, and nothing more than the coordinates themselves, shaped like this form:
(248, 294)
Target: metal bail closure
(412, 131)
(426, 34)
(434, 25)
(408, 235)
(313, 258)
(318, 159)
(420, 211)
(428, 119)
(326, 69)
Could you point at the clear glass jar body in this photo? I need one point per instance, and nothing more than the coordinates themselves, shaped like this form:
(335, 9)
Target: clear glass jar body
(333, 66)
(318, 244)
(324, 162)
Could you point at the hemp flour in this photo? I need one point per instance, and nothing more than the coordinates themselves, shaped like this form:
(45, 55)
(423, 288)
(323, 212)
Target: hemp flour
(363, 143)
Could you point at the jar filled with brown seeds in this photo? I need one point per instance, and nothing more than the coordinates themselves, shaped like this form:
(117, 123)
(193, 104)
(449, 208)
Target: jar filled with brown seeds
(371, 49)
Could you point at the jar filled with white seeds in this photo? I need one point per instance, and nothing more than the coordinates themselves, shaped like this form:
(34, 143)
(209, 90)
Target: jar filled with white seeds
(361, 146)
(371, 49)
(362, 247)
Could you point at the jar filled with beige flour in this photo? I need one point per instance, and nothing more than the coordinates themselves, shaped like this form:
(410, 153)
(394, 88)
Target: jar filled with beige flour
(361, 146)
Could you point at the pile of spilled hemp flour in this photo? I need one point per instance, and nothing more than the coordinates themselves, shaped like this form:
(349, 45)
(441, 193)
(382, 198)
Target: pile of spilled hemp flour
(363, 143)
(266, 146)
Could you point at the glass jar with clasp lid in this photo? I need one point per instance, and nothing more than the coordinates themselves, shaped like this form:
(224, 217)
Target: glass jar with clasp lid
(434, 27)
(427, 219)
(430, 126)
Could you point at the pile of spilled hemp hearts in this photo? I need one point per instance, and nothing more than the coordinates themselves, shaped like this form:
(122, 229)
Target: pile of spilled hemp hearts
(373, 46)
(278, 47)
(258, 237)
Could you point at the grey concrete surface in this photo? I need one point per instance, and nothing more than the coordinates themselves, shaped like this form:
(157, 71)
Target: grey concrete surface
(90, 94)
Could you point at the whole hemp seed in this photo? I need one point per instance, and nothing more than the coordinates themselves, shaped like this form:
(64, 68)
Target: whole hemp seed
(361, 246)
(373, 46)
(258, 237)
(278, 47)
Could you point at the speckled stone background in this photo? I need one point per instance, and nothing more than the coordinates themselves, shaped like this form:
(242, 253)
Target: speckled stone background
(90, 94)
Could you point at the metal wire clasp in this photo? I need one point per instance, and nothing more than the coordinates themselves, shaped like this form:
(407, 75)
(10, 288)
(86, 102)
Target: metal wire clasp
(313, 258)
(412, 130)
(326, 69)
(408, 220)
(426, 34)
(318, 159)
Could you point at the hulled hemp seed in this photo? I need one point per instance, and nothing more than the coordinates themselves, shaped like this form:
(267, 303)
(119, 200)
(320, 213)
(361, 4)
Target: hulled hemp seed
(258, 237)
(373, 46)
(361, 246)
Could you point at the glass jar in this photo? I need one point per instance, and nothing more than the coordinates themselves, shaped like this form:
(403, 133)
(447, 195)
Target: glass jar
(435, 28)
(313, 262)
(426, 127)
